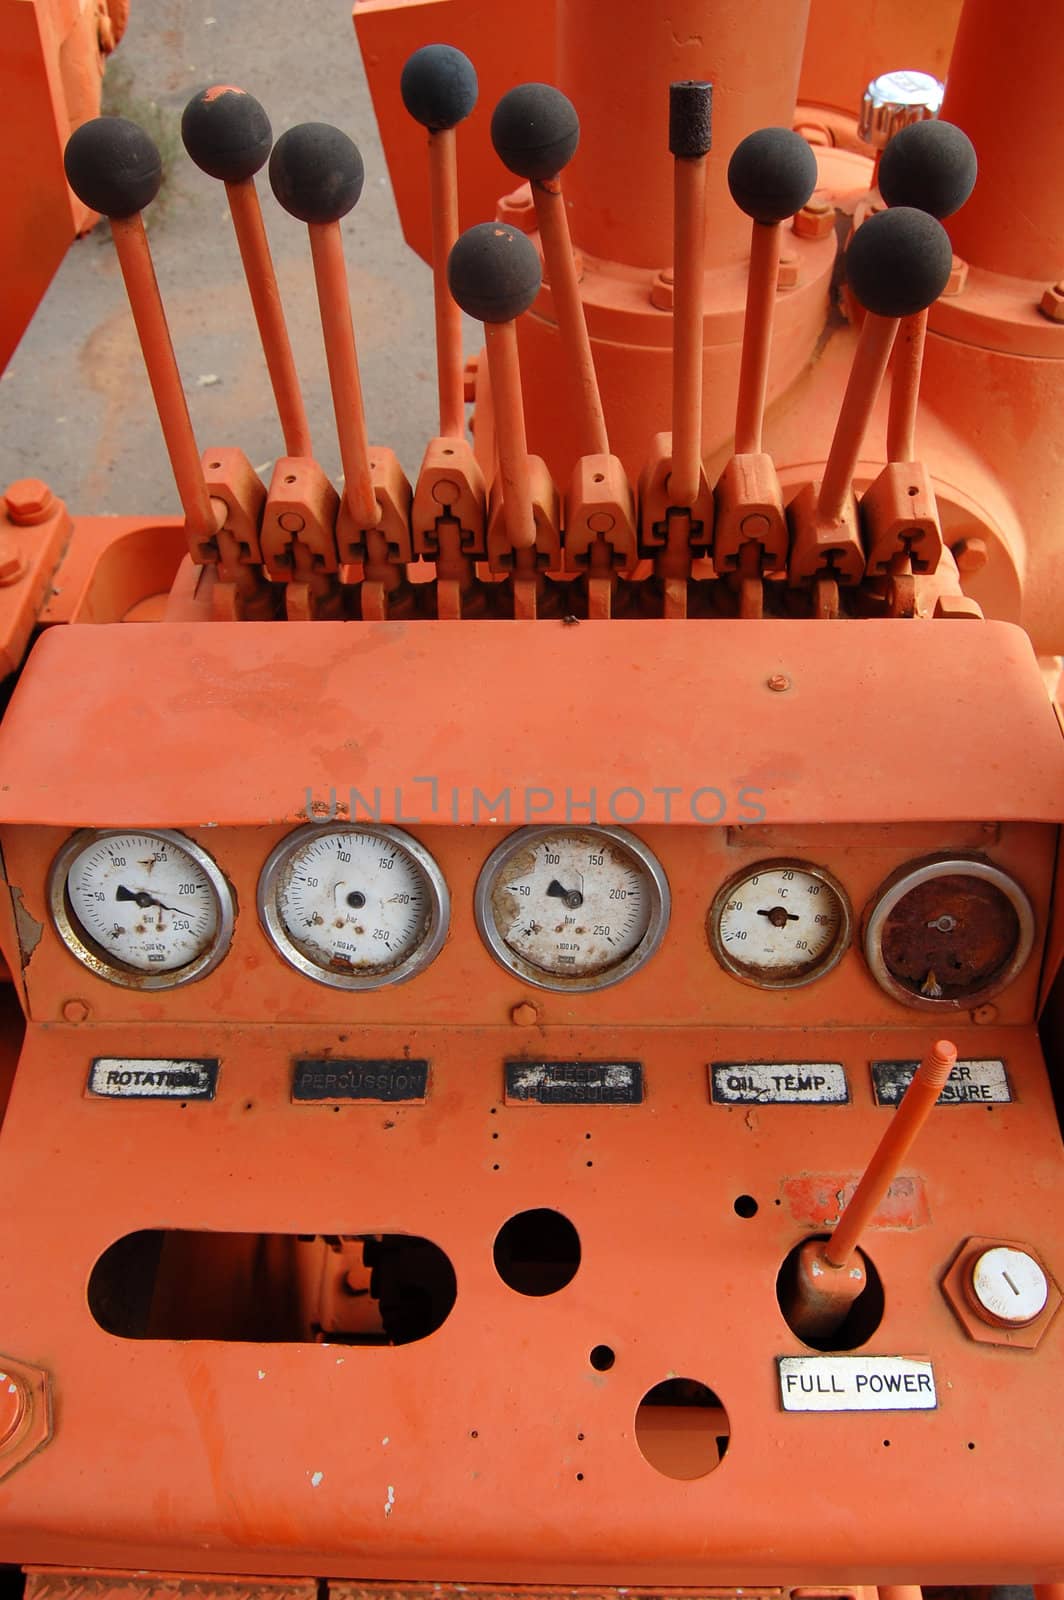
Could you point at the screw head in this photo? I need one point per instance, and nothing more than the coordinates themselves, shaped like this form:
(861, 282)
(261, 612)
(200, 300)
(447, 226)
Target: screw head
(75, 1011)
(1009, 1285)
(779, 683)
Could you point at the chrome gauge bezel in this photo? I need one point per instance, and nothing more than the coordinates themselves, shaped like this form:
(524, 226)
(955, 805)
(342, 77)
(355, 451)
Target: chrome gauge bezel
(92, 956)
(900, 883)
(821, 967)
(428, 946)
(657, 888)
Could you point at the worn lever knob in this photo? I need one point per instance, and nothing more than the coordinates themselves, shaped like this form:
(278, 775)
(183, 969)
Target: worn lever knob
(899, 262)
(930, 165)
(226, 132)
(494, 272)
(438, 86)
(316, 172)
(771, 174)
(535, 130)
(113, 167)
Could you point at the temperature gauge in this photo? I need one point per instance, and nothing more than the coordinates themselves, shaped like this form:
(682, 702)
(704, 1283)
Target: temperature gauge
(779, 924)
(145, 910)
(572, 908)
(355, 907)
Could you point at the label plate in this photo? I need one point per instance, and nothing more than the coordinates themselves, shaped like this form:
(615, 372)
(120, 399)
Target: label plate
(381, 1082)
(778, 1083)
(981, 1082)
(574, 1083)
(856, 1383)
(153, 1078)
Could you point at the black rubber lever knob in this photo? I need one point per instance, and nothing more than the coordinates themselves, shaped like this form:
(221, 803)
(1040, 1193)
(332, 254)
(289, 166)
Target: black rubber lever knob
(535, 130)
(227, 133)
(494, 272)
(316, 172)
(771, 174)
(930, 165)
(899, 262)
(438, 86)
(112, 166)
(690, 118)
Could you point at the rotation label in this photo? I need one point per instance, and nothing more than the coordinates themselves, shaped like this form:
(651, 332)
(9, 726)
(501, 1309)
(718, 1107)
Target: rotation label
(149, 1078)
(779, 1083)
(982, 1082)
(574, 1083)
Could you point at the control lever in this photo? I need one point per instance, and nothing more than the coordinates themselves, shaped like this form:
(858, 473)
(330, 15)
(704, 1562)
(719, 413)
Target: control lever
(494, 275)
(114, 168)
(316, 173)
(228, 135)
(439, 89)
(898, 263)
(535, 130)
(449, 510)
(676, 503)
(771, 175)
(829, 1274)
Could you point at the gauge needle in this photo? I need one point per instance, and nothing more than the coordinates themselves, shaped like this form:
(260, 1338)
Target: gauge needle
(143, 899)
(572, 897)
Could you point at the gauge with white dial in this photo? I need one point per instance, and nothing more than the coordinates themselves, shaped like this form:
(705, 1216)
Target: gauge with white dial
(572, 908)
(779, 924)
(148, 910)
(354, 906)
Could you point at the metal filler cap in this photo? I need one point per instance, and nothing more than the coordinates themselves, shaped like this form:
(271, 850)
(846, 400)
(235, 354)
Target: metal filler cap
(895, 99)
(1010, 1286)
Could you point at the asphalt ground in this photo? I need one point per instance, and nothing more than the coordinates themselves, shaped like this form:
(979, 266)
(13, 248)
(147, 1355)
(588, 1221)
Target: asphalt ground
(75, 408)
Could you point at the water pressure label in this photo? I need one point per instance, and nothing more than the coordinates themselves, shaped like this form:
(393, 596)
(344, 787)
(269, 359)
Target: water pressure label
(778, 1083)
(148, 1078)
(856, 1383)
(982, 1082)
(574, 1083)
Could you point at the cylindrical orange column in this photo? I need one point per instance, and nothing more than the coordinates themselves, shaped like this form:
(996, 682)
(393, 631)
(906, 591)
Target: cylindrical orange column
(1004, 91)
(616, 61)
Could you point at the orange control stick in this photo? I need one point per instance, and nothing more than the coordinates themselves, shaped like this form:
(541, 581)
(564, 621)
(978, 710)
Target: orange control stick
(690, 138)
(494, 275)
(535, 131)
(439, 89)
(114, 168)
(316, 172)
(228, 135)
(932, 166)
(829, 1277)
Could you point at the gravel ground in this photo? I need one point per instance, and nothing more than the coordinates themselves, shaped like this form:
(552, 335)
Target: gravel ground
(75, 407)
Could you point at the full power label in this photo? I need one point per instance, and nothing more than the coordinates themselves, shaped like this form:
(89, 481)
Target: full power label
(976, 1082)
(856, 1383)
(778, 1083)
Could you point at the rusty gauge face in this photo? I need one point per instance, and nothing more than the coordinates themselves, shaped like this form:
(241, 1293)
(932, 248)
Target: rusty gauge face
(572, 908)
(779, 924)
(144, 910)
(354, 907)
(948, 932)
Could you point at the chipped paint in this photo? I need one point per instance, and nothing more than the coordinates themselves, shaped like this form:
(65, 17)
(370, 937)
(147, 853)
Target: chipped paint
(261, 1374)
(315, 1479)
(29, 930)
(389, 1503)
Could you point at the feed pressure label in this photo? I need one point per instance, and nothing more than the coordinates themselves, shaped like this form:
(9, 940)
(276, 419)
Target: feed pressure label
(575, 1083)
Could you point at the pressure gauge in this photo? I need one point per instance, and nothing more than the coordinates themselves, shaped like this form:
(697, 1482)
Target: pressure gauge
(355, 907)
(779, 924)
(950, 931)
(572, 908)
(146, 910)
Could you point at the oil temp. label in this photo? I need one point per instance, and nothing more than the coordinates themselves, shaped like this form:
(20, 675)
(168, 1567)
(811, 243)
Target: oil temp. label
(856, 1383)
(381, 1082)
(148, 1078)
(970, 1083)
(778, 1083)
(574, 1083)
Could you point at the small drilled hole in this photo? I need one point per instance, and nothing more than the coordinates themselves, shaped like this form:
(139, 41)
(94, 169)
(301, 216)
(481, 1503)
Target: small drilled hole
(971, 1446)
(600, 477)
(580, 1477)
(580, 1436)
(602, 1358)
(590, 1163)
(587, 1136)
(495, 1166)
(886, 1444)
(448, 452)
(291, 478)
(913, 489)
(473, 1434)
(745, 1206)
(495, 1135)
(215, 466)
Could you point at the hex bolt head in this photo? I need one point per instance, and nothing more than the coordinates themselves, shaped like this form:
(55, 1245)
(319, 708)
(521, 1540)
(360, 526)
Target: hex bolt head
(525, 1015)
(1009, 1286)
(1052, 305)
(13, 1402)
(970, 554)
(28, 501)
